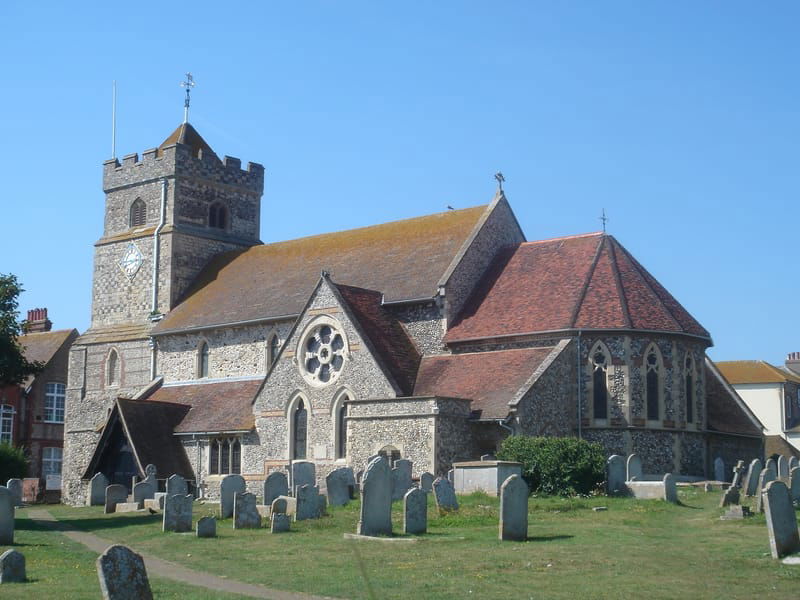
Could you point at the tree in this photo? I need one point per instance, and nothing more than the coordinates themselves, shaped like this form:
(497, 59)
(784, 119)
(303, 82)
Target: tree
(14, 367)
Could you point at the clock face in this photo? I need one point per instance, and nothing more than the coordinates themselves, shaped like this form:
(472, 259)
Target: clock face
(131, 260)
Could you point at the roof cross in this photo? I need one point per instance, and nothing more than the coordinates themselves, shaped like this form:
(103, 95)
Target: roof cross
(188, 84)
(604, 219)
(500, 179)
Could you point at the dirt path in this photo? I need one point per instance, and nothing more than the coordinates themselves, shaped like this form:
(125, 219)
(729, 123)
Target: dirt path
(162, 568)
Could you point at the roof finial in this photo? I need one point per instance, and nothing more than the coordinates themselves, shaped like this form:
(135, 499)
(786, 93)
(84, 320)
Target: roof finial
(500, 179)
(188, 84)
(604, 219)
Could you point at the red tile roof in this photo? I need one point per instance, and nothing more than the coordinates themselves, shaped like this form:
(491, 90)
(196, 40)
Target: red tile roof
(581, 282)
(490, 379)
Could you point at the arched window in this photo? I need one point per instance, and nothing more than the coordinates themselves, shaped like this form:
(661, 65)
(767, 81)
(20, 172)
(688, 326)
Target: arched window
(653, 384)
(202, 361)
(689, 383)
(225, 457)
(138, 213)
(218, 216)
(341, 428)
(599, 384)
(112, 368)
(236, 457)
(272, 352)
(213, 466)
(299, 431)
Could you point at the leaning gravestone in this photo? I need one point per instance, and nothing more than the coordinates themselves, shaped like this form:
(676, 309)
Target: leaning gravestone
(401, 478)
(615, 475)
(772, 465)
(275, 485)
(339, 484)
(729, 497)
(207, 527)
(177, 513)
(794, 485)
(6, 517)
(445, 495)
(514, 509)
(177, 485)
(719, 469)
(302, 472)
(781, 520)
(115, 493)
(142, 491)
(12, 567)
(751, 481)
(634, 468)
(738, 470)
(279, 505)
(15, 487)
(245, 513)
(426, 482)
(376, 499)
(307, 502)
(763, 479)
(97, 490)
(670, 489)
(122, 575)
(415, 511)
(227, 488)
(783, 467)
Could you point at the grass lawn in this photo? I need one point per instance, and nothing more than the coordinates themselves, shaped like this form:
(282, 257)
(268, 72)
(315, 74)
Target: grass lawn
(634, 549)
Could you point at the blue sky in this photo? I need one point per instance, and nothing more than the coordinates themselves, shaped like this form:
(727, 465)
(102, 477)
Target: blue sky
(681, 119)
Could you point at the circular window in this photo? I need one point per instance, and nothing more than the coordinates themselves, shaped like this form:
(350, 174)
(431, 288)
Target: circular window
(322, 353)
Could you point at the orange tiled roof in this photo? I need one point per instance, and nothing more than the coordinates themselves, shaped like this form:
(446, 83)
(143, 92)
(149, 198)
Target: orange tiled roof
(754, 371)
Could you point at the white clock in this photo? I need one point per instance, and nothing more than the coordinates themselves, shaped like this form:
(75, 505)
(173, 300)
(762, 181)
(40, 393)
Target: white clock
(131, 260)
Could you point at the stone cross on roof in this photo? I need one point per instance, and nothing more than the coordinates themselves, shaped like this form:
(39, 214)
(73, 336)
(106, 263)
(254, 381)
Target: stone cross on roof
(500, 179)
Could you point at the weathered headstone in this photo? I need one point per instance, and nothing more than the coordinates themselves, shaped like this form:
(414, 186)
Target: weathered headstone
(322, 505)
(376, 499)
(670, 488)
(783, 467)
(340, 484)
(176, 484)
(514, 509)
(150, 474)
(426, 482)
(772, 465)
(751, 481)
(451, 475)
(729, 496)
(793, 462)
(143, 491)
(279, 522)
(229, 485)
(284, 504)
(415, 511)
(14, 486)
(735, 512)
(12, 567)
(122, 575)
(719, 469)
(207, 527)
(307, 497)
(275, 485)
(401, 478)
(177, 513)
(97, 490)
(764, 478)
(781, 520)
(738, 472)
(115, 494)
(445, 496)
(634, 468)
(615, 475)
(794, 485)
(245, 513)
(6, 517)
(302, 472)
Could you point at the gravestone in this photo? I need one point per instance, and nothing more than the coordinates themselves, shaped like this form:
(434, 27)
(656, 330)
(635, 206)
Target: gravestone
(15, 487)
(751, 481)
(729, 496)
(322, 505)
(177, 485)
(794, 485)
(415, 511)
(376, 499)
(275, 485)
(142, 491)
(634, 468)
(615, 475)
(245, 513)
(340, 484)
(445, 495)
(12, 567)
(302, 472)
(781, 520)
(279, 522)
(115, 494)
(307, 497)
(738, 472)
(772, 465)
(783, 467)
(487, 457)
(6, 517)
(514, 509)
(670, 489)
(207, 527)
(177, 513)
(719, 469)
(401, 478)
(793, 462)
(122, 575)
(763, 479)
(451, 475)
(285, 504)
(150, 471)
(426, 482)
(229, 485)
(97, 490)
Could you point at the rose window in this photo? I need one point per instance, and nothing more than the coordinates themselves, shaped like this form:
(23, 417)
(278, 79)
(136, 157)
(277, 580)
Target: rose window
(323, 357)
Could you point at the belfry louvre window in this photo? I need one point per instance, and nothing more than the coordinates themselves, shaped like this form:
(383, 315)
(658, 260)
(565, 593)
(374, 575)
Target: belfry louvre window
(225, 456)
(138, 215)
(217, 216)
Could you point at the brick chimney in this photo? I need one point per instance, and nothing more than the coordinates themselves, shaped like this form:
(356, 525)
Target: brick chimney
(38, 321)
(793, 362)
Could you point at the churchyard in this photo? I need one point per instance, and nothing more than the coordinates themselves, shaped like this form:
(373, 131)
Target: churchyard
(635, 548)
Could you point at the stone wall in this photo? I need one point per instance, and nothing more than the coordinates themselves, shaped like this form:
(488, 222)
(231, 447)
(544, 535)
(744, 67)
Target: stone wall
(424, 324)
(732, 448)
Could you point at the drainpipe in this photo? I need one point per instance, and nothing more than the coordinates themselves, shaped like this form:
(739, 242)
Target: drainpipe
(502, 423)
(578, 388)
(156, 246)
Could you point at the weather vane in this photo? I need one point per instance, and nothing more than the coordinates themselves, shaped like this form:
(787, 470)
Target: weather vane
(188, 84)
(500, 179)
(604, 219)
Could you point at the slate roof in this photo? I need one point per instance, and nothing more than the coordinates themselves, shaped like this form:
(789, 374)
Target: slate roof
(580, 282)
(211, 407)
(403, 259)
(727, 412)
(489, 379)
(42, 346)
(186, 134)
(754, 371)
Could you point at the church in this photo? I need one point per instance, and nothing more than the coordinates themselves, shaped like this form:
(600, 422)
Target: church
(431, 338)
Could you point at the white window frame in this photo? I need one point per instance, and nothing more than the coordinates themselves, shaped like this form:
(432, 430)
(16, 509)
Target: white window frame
(7, 413)
(54, 402)
(55, 456)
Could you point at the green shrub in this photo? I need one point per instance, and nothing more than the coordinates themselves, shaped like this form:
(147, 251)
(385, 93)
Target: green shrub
(557, 466)
(13, 462)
